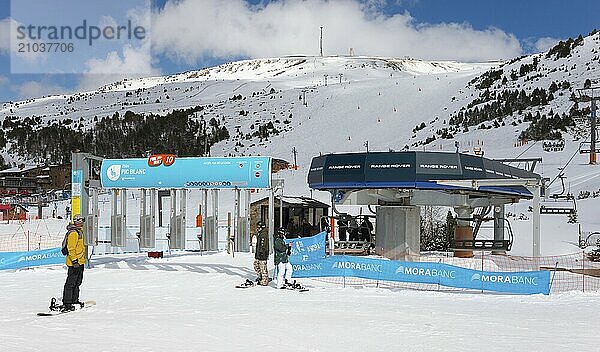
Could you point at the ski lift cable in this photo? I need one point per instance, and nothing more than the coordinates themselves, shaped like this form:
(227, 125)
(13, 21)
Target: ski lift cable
(569, 161)
(525, 151)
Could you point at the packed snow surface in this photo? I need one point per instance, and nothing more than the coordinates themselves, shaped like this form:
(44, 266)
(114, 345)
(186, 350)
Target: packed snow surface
(187, 302)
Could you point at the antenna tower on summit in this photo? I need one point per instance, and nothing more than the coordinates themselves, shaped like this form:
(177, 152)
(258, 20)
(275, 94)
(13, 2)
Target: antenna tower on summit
(321, 42)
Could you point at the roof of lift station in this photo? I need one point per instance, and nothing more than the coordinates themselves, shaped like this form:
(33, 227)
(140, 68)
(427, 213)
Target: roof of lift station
(414, 170)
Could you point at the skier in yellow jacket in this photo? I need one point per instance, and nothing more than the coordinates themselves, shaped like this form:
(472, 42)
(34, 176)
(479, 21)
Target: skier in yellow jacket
(75, 262)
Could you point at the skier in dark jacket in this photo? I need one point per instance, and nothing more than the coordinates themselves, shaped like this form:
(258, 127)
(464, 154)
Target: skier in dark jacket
(282, 252)
(262, 254)
(366, 228)
(75, 261)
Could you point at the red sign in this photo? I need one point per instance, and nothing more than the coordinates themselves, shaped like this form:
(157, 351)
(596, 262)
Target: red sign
(161, 159)
(168, 159)
(257, 174)
(155, 160)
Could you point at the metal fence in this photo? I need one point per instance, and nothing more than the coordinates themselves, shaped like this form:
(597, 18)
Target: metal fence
(573, 272)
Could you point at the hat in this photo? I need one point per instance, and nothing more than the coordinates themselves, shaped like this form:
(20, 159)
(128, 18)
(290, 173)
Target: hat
(282, 232)
(78, 220)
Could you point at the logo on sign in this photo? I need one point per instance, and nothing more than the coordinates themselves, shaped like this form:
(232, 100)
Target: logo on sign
(357, 266)
(33, 257)
(506, 279)
(114, 172)
(257, 166)
(168, 159)
(257, 174)
(432, 272)
(155, 160)
(161, 159)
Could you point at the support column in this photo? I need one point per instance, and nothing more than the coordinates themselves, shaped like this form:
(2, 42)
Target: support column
(204, 212)
(281, 208)
(271, 218)
(248, 238)
(91, 226)
(215, 238)
(499, 225)
(117, 219)
(536, 221)
(593, 134)
(183, 217)
(236, 215)
(398, 232)
(148, 219)
(463, 230)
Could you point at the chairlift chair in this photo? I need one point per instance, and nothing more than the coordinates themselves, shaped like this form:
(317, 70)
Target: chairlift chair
(553, 146)
(481, 244)
(560, 203)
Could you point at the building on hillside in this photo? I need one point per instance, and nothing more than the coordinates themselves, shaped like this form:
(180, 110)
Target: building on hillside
(12, 212)
(278, 165)
(24, 180)
(52, 177)
(16, 182)
(301, 215)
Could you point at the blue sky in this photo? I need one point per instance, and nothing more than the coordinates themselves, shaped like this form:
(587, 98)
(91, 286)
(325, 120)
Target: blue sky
(464, 30)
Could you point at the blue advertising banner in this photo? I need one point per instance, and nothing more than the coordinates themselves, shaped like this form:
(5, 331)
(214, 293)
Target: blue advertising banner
(307, 249)
(17, 260)
(242, 172)
(530, 282)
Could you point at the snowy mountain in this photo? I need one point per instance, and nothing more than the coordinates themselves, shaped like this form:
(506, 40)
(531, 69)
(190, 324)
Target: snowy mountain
(187, 300)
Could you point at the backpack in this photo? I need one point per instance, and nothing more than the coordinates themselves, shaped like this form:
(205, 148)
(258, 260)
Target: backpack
(64, 250)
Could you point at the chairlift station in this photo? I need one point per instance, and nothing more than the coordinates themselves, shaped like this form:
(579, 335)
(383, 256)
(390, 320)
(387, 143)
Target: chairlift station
(399, 183)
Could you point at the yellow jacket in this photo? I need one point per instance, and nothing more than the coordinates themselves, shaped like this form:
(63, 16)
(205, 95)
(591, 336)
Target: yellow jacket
(76, 248)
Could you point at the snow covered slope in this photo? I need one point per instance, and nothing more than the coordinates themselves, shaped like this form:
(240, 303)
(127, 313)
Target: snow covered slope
(189, 303)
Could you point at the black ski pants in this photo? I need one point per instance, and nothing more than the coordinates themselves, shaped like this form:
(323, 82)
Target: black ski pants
(74, 279)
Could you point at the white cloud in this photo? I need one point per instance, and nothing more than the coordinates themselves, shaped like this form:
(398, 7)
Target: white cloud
(8, 28)
(5, 29)
(34, 89)
(131, 63)
(191, 30)
(545, 44)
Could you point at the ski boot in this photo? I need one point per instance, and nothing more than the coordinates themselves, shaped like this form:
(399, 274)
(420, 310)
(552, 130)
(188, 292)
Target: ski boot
(297, 286)
(67, 308)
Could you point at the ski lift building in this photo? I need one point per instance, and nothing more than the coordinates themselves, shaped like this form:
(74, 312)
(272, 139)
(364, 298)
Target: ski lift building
(295, 208)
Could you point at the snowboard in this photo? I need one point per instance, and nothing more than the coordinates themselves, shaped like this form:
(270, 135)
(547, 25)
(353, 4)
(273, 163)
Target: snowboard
(246, 284)
(294, 287)
(250, 283)
(56, 311)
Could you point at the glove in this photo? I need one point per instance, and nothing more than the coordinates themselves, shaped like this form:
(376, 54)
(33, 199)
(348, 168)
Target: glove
(76, 263)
